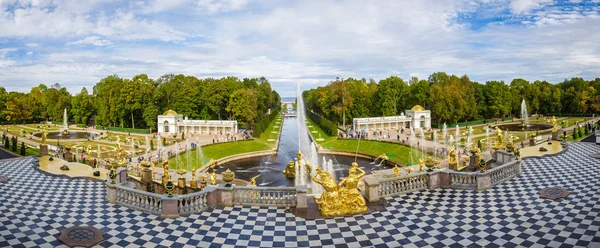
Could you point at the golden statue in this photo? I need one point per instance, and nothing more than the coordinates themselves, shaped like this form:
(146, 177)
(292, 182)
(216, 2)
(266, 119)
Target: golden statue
(353, 201)
(213, 178)
(396, 170)
(44, 133)
(554, 124)
(89, 150)
(421, 164)
(511, 142)
(452, 156)
(166, 176)
(118, 142)
(253, 180)
(299, 155)
(329, 203)
(290, 169)
(383, 156)
(500, 138)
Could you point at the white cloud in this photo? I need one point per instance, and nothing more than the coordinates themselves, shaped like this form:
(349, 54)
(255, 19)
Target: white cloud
(91, 40)
(519, 6)
(32, 44)
(311, 42)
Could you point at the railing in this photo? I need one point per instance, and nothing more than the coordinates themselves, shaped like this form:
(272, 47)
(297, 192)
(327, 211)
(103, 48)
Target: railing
(398, 185)
(504, 172)
(463, 180)
(264, 196)
(193, 203)
(139, 200)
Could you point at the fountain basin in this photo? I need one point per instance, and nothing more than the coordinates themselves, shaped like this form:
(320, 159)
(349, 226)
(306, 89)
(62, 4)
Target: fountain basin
(270, 169)
(70, 135)
(519, 127)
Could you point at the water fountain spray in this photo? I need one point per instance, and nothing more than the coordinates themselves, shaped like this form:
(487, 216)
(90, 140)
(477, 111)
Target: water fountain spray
(457, 136)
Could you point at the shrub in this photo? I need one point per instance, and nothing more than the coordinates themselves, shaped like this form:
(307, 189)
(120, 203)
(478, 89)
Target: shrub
(327, 126)
(7, 144)
(164, 142)
(182, 135)
(135, 146)
(151, 145)
(81, 125)
(263, 124)
(15, 140)
(574, 134)
(23, 148)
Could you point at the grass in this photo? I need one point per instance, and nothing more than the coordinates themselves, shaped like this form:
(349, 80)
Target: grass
(396, 152)
(221, 150)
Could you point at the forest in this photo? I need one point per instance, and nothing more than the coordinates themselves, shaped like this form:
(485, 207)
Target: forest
(451, 98)
(136, 102)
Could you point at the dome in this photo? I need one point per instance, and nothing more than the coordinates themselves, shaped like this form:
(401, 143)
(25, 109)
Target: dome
(417, 108)
(170, 112)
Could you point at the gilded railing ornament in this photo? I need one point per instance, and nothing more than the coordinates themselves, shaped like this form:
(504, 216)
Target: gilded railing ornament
(44, 133)
(213, 178)
(228, 177)
(343, 198)
(452, 156)
(112, 174)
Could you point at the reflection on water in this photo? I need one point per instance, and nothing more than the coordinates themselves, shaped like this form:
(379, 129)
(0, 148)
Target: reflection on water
(270, 167)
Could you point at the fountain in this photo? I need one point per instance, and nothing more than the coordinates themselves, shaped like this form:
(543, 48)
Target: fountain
(435, 142)
(65, 129)
(457, 136)
(413, 143)
(307, 148)
(524, 116)
(469, 137)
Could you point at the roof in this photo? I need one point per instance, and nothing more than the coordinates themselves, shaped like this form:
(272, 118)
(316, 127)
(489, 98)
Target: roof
(417, 108)
(170, 112)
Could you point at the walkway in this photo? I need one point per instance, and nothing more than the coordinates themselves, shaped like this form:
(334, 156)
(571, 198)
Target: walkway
(36, 207)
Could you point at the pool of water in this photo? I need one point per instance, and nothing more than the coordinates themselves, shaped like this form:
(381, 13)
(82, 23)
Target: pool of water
(69, 135)
(518, 127)
(270, 167)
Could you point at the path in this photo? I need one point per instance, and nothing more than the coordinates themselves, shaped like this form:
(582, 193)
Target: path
(36, 207)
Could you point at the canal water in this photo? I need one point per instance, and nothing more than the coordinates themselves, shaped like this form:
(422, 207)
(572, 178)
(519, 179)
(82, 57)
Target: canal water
(270, 167)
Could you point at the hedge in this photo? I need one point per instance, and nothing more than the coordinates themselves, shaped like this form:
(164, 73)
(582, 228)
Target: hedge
(327, 126)
(81, 125)
(125, 130)
(263, 124)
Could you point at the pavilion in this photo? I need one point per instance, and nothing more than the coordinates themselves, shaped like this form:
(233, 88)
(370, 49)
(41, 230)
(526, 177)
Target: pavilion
(416, 117)
(172, 123)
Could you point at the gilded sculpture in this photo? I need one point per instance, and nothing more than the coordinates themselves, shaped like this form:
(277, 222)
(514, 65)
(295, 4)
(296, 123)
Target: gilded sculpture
(396, 173)
(290, 169)
(166, 176)
(500, 139)
(44, 133)
(343, 198)
(213, 178)
(353, 201)
(554, 124)
(452, 156)
(253, 180)
(511, 142)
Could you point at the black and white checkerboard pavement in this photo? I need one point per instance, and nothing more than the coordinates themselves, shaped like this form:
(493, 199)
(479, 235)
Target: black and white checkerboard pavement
(34, 208)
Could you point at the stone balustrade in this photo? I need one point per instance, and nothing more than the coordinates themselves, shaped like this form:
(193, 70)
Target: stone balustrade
(463, 180)
(504, 172)
(194, 202)
(404, 184)
(264, 196)
(381, 186)
(138, 200)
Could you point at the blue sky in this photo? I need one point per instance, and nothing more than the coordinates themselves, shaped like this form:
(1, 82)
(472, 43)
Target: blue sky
(77, 43)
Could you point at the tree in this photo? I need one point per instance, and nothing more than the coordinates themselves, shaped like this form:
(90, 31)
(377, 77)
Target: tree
(15, 141)
(17, 109)
(243, 105)
(82, 106)
(151, 145)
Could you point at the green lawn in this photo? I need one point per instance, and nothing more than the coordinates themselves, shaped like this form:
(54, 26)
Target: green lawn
(221, 150)
(318, 133)
(396, 152)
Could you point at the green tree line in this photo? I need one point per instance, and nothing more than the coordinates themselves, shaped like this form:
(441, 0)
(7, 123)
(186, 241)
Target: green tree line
(451, 98)
(136, 102)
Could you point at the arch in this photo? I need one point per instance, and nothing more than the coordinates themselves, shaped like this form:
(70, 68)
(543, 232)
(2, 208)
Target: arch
(166, 126)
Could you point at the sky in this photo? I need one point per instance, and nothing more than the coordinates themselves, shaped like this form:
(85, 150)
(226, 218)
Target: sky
(77, 43)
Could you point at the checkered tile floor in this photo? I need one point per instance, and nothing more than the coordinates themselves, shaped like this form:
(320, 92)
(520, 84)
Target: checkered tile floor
(35, 207)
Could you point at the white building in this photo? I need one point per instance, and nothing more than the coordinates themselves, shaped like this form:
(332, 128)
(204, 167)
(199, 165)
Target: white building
(417, 117)
(171, 122)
